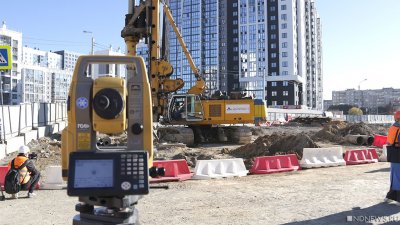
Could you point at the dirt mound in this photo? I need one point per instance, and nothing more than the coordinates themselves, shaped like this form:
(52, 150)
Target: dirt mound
(330, 133)
(357, 128)
(48, 152)
(273, 145)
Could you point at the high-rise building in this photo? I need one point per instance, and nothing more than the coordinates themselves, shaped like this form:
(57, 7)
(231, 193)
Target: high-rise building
(313, 41)
(275, 39)
(198, 22)
(11, 79)
(228, 46)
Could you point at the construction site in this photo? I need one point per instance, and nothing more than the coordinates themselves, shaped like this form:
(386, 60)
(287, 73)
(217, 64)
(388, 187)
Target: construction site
(330, 195)
(148, 146)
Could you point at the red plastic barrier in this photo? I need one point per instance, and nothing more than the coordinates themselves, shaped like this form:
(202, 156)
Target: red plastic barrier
(175, 170)
(3, 173)
(379, 141)
(360, 156)
(275, 164)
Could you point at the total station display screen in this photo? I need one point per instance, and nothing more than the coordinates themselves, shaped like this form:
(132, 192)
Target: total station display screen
(94, 173)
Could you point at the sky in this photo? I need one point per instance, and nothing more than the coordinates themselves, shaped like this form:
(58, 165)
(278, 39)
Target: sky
(361, 38)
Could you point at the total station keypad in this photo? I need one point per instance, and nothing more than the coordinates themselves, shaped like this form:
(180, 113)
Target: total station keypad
(133, 166)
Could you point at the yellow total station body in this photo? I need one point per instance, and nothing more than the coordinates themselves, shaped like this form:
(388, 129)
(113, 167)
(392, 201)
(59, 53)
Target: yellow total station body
(108, 105)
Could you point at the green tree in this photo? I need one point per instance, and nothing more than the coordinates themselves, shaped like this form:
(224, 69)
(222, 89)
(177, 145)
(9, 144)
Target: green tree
(355, 111)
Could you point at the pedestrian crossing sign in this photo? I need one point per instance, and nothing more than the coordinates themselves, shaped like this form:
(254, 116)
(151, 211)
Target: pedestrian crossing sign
(5, 57)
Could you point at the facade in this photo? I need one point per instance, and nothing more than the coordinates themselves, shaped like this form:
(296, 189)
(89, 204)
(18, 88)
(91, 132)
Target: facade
(229, 46)
(43, 77)
(313, 41)
(118, 70)
(11, 79)
(198, 21)
(370, 99)
(68, 59)
(280, 52)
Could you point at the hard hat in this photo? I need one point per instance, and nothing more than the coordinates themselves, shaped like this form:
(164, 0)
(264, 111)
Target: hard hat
(397, 115)
(23, 149)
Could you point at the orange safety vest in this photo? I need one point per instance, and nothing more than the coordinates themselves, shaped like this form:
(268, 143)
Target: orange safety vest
(18, 161)
(391, 137)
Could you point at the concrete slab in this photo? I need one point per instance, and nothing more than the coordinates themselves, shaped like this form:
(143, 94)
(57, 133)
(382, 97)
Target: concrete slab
(61, 125)
(29, 135)
(14, 143)
(41, 132)
(56, 128)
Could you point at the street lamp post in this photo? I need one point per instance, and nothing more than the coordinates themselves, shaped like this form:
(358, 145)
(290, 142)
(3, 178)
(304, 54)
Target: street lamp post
(359, 84)
(91, 51)
(361, 95)
(91, 33)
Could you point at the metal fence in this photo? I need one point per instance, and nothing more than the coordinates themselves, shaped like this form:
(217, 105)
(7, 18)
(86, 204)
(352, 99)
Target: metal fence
(16, 119)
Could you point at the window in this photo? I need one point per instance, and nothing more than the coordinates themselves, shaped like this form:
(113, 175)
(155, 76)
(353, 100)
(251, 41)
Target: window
(273, 55)
(283, 17)
(285, 83)
(284, 25)
(273, 17)
(273, 84)
(284, 45)
(285, 102)
(285, 64)
(285, 73)
(273, 45)
(273, 36)
(273, 74)
(285, 93)
(272, 8)
(284, 35)
(273, 27)
(273, 65)
(283, 7)
(274, 103)
(274, 93)
(284, 54)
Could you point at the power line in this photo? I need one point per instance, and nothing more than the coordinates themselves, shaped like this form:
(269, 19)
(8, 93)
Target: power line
(40, 39)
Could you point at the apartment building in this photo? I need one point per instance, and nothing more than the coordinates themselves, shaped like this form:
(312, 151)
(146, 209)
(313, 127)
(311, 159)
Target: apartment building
(198, 21)
(10, 85)
(366, 98)
(279, 46)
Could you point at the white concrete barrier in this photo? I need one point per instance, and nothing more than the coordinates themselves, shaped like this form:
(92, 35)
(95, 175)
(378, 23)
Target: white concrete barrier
(2, 151)
(29, 135)
(219, 168)
(41, 132)
(383, 157)
(54, 179)
(322, 157)
(61, 126)
(14, 143)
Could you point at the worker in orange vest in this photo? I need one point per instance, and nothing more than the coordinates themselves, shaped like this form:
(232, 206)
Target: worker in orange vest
(30, 175)
(393, 142)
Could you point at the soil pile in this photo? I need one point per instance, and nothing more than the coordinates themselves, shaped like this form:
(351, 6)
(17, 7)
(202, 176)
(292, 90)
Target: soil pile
(357, 128)
(275, 144)
(48, 152)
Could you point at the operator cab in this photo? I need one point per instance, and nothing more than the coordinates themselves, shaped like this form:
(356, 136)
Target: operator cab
(185, 108)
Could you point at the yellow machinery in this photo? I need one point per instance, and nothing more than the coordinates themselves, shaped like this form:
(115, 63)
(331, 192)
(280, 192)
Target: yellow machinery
(202, 117)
